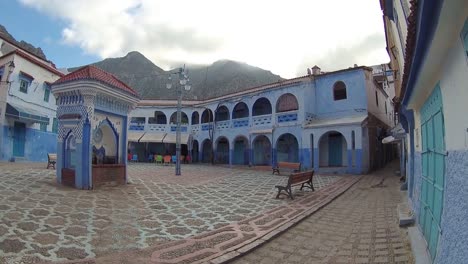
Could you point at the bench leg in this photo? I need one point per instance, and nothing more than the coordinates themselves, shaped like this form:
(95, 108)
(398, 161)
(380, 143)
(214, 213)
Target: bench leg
(275, 170)
(308, 184)
(287, 189)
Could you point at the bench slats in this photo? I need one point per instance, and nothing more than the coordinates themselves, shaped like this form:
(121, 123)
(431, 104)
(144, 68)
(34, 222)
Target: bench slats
(294, 167)
(304, 178)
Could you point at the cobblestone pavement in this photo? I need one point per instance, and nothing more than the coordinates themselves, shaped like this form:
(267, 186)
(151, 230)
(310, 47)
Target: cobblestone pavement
(358, 227)
(41, 221)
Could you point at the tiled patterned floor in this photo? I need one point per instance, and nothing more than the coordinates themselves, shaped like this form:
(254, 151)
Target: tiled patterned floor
(40, 220)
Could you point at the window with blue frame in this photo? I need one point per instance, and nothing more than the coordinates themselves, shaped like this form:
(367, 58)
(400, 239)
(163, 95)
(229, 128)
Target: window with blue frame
(55, 125)
(464, 37)
(1, 73)
(43, 127)
(25, 81)
(46, 92)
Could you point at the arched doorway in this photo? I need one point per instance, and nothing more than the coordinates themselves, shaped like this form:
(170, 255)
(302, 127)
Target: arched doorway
(222, 114)
(207, 116)
(105, 144)
(183, 118)
(207, 151)
(332, 150)
(195, 151)
(241, 110)
(261, 150)
(159, 118)
(241, 151)
(222, 151)
(287, 148)
(195, 118)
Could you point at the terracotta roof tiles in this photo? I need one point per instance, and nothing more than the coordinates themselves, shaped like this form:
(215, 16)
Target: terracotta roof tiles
(93, 73)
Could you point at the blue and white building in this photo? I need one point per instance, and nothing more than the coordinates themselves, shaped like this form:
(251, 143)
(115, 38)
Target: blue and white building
(432, 110)
(28, 123)
(332, 122)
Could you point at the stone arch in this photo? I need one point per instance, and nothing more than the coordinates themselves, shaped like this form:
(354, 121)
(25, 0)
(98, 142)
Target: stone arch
(333, 150)
(195, 118)
(207, 116)
(222, 113)
(222, 150)
(287, 148)
(286, 102)
(183, 118)
(241, 110)
(261, 145)
(158, 118)
(262, 106)
(240, 154)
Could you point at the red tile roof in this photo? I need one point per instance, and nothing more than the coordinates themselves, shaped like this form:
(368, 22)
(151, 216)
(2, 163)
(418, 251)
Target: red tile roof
(35, 61)
(93, 73)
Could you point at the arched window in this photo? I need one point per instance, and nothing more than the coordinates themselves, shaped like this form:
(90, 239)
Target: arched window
(240, 110)
(207, 116)
(195, 118)
(222, 113)
(261, 107)
(339, 91)
(159, 118)
(287, 102)
(183, 118)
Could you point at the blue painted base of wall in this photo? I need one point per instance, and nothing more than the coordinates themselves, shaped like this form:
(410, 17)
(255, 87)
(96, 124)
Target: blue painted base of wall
(452, 244)
(37, 144)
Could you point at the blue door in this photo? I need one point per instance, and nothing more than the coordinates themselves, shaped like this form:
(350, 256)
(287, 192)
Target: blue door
(239, 152)
(335, 150)
(19, 137)
(433, 169)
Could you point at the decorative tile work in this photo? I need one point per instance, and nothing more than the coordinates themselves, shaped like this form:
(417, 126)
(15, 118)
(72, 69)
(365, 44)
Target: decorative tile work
(240, 122)
(261, 120)
(289, 117)
(207, 126)
(223, 124)
(183, 128)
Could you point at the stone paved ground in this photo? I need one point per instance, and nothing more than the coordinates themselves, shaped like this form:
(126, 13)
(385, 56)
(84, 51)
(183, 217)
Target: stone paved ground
(40, 220)
(358, 227)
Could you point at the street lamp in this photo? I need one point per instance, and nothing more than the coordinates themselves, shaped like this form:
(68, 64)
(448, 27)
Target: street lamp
(184, 82)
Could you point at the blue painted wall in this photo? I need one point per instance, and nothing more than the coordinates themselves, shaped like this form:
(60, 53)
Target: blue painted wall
(355, 82)
(454, 238)
(37, 145)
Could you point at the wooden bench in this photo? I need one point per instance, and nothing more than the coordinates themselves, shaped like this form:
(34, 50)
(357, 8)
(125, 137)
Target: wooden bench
(303, 178)
(51, 160)
(290, 166)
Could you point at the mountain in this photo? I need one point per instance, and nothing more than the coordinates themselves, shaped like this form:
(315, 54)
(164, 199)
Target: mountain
(22, 44)
(208, 81)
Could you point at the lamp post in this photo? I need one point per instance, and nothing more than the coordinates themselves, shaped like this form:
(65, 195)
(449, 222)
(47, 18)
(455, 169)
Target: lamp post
(184, 82)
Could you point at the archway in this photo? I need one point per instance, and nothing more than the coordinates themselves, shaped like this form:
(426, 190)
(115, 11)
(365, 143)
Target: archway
(287, 148)
(222, 151)
(195, 151)
(241, 110)
(287, 102)
(207, 151)
(261, 107)
(222, 113)
(207, 116)
(195, 118)
(159, 118)
(332, 150)
(241, 151)
(261, 150)
(183, 118)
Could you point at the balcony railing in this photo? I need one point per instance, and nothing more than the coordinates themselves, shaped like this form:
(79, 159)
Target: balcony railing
(240, 122)
(137, 127)
(157, 127)
(261, 120)
(183, 128)
(286, 116)
(195, 128)
(223, 124)
(207, 126)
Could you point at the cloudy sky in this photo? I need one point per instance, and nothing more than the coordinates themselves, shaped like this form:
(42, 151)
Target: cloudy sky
(285, 37)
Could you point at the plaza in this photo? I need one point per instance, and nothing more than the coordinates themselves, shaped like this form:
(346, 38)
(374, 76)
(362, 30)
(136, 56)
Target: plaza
(44, 221)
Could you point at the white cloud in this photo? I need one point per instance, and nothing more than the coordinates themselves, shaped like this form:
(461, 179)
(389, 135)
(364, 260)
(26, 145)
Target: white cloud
(281, 36)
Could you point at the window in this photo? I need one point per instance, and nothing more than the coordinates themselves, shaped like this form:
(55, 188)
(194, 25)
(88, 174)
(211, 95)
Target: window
(339, 91)
(55, 125)
(24, 86)
(464, 37)
(43, 127)
(376, 98)
(46, 94)
(386, 108)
